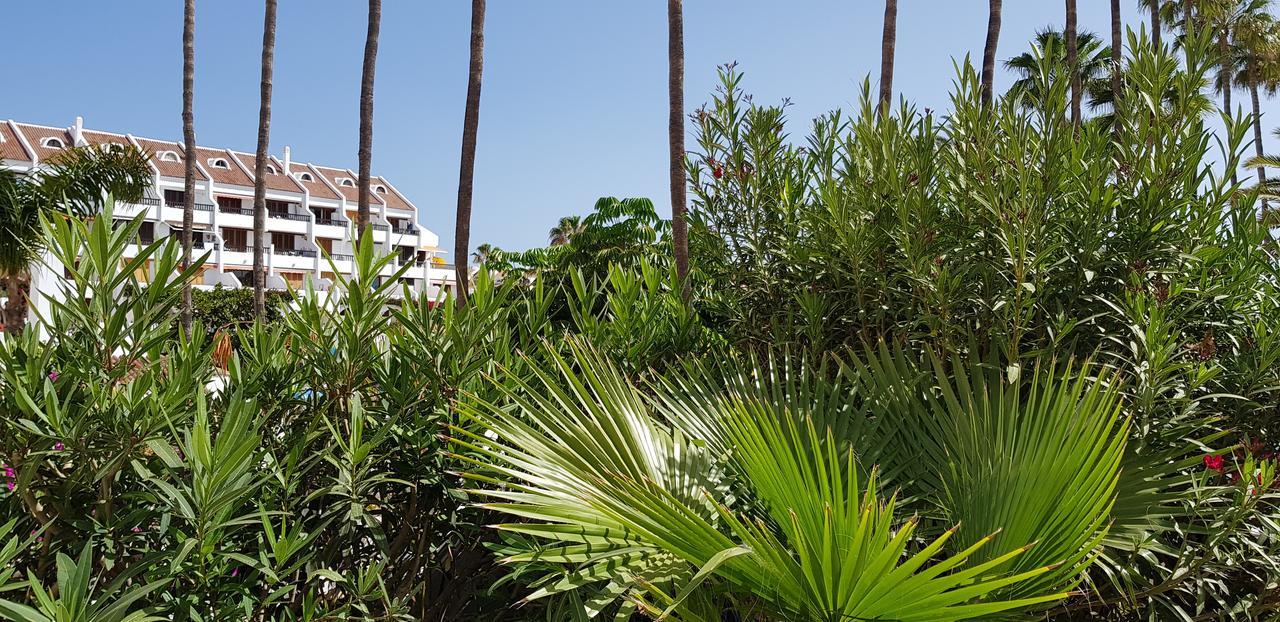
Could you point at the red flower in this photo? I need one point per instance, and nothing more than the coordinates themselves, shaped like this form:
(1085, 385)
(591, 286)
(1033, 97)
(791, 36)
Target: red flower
(1214, 462)
(717, 172)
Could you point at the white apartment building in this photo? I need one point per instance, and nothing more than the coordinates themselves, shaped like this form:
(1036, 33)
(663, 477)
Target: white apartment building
(309, 208)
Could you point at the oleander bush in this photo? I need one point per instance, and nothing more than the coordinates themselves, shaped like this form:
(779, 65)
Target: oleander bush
(975, 366)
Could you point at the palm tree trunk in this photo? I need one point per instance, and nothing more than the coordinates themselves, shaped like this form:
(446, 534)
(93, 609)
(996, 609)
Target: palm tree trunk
(365, 155)
(1156, 27)
(675, 141)
(1187, 24)
(1257, 131)
(467, 168)
(888, 45)
(1073, 64)
(260, 164)
(1224, 64)
(15, 310)
(189, 145)
(989, 51)
(1117, 85)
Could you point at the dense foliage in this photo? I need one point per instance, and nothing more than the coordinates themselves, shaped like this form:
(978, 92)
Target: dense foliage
(983, 365)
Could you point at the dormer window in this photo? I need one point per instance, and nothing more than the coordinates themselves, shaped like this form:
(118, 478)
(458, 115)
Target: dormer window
(219, 163)
(306, 177)
(380, 189)
(346, 181)
(169, 156)
(53, 143)
(271, 170)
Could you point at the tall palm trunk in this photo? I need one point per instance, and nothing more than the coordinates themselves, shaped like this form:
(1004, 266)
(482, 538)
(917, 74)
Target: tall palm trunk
(1117, 85)
(989, 51)
(467, 168)
(189, 145)
(260, 164)
(365, 155)
(888, 45)
(1156, 27)
(15, 310)
(1187, 24)
(1257, 130)
(675, 141)
(1224, 64)
(1073, 63)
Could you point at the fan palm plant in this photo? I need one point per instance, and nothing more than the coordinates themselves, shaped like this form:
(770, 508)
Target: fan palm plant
(1093, 58)
(565, 229)
(750, 498)
(76, 181)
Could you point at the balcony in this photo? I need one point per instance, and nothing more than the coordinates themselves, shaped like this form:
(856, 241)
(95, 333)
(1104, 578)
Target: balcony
(295, 252)
(409, 230)
(329, 221)
(288, 216)
(149, 201)
(203, 207)
(378, 227)
(246, 211)
(341, 256)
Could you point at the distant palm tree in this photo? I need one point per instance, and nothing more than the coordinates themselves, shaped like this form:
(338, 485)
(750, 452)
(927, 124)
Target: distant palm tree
(1156, 27)
(1073, 62)
(73, 182)
(989, 51)
(365, 154)
(189, 145)
(260, 164)
(467, 167)
(565, 230)
(888, 44)
(675, 139)
(1093, 61)
(482, 253)
(1258, 51)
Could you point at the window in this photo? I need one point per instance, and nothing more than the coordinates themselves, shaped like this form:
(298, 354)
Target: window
(306, 177)
(235, 239)
(282, 241)
(380, 189)
(52, 143)
(175, 198)
(271, 170)
(169, 156)
(346, 181)
(275, 206)
(228, 204)
(219, 163)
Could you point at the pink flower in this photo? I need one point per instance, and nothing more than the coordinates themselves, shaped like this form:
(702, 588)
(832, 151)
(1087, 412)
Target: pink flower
(1214, 462)
(137, 530)
(58, 446)
(53, 375)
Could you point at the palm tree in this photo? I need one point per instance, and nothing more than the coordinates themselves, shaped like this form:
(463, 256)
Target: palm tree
(73, 182)
(1072, 63)
(675, 139)
(989, 51)
(467, 168)
(189, 145)
(482, 253)
(1093, 64)
(1258, 51)
(1156, 27)
(260, 163)
(365, 155)
(888, 44)
(564, 230)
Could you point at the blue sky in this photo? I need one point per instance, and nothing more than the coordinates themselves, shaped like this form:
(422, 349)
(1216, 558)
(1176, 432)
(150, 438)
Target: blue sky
(574, 102)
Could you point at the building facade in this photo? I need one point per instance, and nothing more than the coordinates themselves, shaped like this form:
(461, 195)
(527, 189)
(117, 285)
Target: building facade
(311, 211)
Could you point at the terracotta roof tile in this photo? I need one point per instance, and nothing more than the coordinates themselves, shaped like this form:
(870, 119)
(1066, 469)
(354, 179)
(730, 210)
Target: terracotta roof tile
(315, 186)
(10, 148)
(168, 168)
(37, 134)
(390, 197)
(277, 181)
(230, 175)
(352, 194)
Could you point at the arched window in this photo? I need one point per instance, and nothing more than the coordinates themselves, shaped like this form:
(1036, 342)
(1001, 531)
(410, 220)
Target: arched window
(219, 163)
(169, 156)
(306, 177)
(346, 181)
(271, 170)
(380, 189)
(52, 143)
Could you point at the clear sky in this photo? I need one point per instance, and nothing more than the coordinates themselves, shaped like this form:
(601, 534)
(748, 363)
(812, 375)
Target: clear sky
(574, 105)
